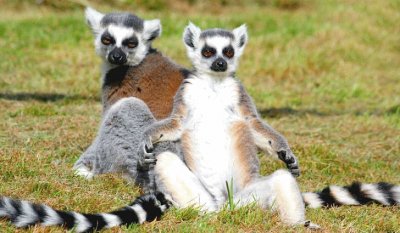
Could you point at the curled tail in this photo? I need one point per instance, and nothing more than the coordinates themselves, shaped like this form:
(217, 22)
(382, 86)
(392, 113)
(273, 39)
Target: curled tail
(355, 194)
(23, 214)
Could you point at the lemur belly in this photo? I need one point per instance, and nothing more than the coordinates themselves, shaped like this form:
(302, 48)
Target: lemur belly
(215, 132)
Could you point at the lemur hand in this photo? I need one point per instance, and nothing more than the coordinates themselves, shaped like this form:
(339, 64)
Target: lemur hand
(147, 159)
(290, 160)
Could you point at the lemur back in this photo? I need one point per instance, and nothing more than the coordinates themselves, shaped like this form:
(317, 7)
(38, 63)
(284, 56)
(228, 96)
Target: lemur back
(155, 81)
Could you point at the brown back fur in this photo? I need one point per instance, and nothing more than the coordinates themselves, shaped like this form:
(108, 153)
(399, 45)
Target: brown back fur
(155, 81)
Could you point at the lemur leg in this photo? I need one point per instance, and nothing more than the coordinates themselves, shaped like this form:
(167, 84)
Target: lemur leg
(175, 179)
(278, 191)
(116, 145)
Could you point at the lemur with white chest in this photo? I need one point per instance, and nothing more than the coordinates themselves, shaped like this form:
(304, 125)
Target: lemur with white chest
(220, 130)
(138, 87)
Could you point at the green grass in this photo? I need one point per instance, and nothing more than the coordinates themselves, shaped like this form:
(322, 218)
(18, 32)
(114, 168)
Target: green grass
(324, 73)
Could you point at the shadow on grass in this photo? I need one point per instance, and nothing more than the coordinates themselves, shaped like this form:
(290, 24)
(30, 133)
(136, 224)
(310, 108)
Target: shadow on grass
(285, 111)
(394, 110)
(45, 97)
(288, 111)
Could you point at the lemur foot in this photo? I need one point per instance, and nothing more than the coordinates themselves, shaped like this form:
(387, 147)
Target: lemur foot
(83, 171)
(312, 226)
(147, 159)
(290, 161)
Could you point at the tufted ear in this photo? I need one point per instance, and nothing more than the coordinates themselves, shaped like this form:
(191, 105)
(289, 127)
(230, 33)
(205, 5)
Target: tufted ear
(240, 34)
(93, 19)
(151, 29)
(191, 35)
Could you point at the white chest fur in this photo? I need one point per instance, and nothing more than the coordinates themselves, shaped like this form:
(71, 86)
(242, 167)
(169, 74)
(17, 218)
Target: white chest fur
(212, 109)
(210, 100)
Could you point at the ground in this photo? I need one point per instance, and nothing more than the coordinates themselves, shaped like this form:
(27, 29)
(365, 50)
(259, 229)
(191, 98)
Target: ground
(326, 74)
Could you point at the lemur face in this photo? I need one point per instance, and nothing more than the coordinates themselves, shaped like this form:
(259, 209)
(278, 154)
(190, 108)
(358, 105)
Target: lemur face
(215, 51)
(122, 38)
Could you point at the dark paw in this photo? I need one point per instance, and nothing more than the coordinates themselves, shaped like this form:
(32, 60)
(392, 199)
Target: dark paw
(290, 161)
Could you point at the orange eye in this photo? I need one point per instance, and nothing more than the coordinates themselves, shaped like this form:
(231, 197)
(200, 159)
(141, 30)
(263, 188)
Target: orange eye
(106, 40)
(131, 42)
(208, 52)
(132, 45)
(228, 52)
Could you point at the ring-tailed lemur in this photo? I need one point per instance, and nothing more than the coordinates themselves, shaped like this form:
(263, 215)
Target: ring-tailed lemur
(219, 129)
(138, 87)
(219, 135)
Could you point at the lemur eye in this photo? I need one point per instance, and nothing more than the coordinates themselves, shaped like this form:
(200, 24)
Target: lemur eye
(131, 42)
(208, 52)
(106, 40)
(228, 52)
(132, 45)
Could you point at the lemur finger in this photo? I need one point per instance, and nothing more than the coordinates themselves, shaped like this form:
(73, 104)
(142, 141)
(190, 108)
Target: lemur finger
(295, 172)
(148, 145)
(292, 166)
(149, 156)
(150, 161)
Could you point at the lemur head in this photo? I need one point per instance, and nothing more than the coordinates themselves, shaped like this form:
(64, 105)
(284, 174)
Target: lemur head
(122, 38)
(215, 51)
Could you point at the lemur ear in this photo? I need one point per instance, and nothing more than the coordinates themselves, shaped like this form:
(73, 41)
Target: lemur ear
(93, 19)
(240, 34)
(151, 29)
(191, 35)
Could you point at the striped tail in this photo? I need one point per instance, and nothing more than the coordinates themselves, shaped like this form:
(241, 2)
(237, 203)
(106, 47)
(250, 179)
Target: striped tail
(355, 194)
(23, 214)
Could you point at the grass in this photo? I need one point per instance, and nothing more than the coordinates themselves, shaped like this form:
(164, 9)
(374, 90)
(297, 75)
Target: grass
(324, 73)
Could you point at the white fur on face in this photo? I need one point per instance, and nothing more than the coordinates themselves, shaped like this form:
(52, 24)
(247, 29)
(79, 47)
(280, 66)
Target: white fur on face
(240, 34)
(194, 45)
(218, 43)
(120, 33)
(151, 28)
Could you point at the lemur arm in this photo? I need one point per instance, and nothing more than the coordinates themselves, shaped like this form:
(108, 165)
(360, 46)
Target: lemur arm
(169, 129)
(266, 138)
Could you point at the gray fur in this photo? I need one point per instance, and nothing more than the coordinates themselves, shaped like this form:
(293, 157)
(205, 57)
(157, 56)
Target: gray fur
(216, 32)
(115, 149)
(125, 19)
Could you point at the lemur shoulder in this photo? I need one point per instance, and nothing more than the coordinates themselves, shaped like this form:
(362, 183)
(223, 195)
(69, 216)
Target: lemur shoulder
(155, 81)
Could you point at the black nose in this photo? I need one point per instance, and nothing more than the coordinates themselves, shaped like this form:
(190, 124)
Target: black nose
(117, 57)
(219, 65)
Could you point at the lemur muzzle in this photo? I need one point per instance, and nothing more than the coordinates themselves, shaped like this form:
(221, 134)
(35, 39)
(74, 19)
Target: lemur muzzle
(117, 57)
(219, 65)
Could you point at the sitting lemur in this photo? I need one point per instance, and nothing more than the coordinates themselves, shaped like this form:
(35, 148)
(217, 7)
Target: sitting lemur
(138, 87)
